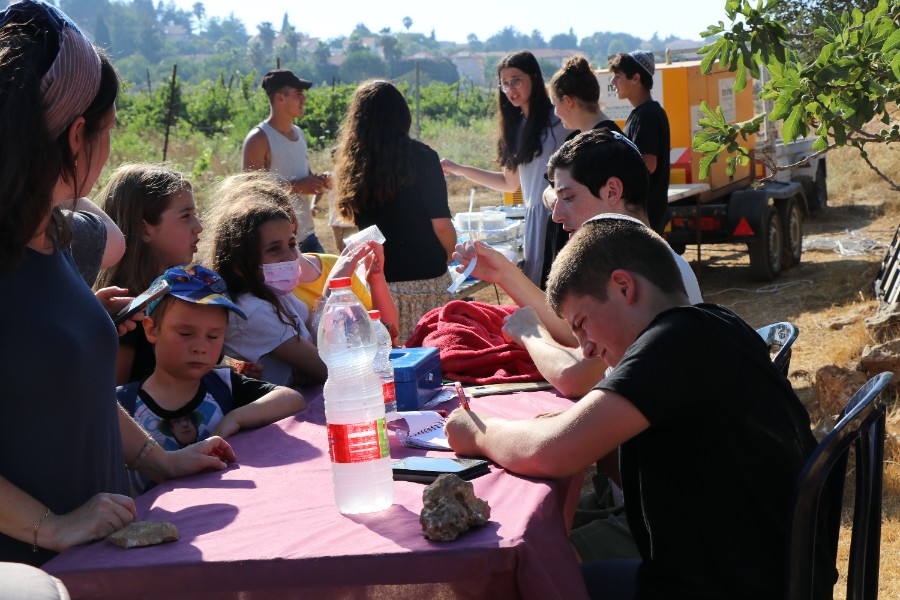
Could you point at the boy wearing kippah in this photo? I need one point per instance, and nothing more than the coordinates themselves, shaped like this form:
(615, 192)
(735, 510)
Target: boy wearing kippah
(186, 399)
(647, 126)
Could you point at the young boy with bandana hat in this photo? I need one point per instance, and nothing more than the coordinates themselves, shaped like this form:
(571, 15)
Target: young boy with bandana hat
(186, 399)
(647, 126)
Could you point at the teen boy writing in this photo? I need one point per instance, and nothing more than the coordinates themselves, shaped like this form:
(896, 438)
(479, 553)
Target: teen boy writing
(712, 435)
(597, 172)
(186, 399)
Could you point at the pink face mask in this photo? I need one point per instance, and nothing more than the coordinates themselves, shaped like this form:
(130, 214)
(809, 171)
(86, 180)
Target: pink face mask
(282, 277)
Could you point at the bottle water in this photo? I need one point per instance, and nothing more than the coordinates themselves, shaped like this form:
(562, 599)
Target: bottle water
(354, 405)
(383, 366)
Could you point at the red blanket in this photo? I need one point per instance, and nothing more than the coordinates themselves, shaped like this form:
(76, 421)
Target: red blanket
(472, 347)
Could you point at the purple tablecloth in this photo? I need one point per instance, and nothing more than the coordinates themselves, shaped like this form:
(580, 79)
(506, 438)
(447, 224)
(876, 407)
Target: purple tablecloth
(268, 528)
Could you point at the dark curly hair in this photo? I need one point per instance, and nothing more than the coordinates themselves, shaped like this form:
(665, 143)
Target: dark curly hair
(374, 151)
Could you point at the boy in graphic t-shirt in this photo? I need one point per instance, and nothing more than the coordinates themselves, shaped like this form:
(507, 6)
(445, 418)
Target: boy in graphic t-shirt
(186, 399)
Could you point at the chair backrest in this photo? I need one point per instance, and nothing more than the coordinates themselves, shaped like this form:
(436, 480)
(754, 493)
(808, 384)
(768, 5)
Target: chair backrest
(780, 337)
(818, 496)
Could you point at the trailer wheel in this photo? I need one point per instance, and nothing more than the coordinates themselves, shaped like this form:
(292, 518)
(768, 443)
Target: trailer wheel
(766, 251)
(816, 190)
(792, 226)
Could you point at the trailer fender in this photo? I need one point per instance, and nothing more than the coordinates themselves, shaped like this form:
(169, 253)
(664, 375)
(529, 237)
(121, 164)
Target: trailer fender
(746, 209)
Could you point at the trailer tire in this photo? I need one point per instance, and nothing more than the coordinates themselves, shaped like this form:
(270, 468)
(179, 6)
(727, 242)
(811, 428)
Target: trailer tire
(816, 190)
(792, 226)
(767, 250)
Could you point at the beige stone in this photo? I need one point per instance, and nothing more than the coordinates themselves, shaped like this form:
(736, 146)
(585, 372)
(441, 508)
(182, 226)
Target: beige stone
(144, 533)
(451, 508)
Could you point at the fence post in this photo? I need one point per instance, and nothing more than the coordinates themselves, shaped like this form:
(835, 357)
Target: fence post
(418, 128)
(170, 110)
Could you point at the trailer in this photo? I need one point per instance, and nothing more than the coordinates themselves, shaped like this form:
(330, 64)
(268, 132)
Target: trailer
(730, 209)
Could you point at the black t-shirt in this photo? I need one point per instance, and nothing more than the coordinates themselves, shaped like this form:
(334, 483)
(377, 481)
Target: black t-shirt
(412, 251)
(648, 127)
(556, 236)
(144, 356)
(708, 485)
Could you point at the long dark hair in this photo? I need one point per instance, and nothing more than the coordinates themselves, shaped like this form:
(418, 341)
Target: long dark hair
(234, 251)
(31, 162)
(373, 159)
(511, 151)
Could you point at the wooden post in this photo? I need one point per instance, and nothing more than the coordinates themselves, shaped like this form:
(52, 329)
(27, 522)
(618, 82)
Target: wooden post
(170, 111)
(149, 89)
(418, 128)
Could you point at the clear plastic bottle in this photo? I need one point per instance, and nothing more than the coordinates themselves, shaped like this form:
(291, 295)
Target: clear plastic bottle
(383, 366)
(354, 405)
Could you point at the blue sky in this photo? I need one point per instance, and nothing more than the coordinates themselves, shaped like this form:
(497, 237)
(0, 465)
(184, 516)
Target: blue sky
(455, 20)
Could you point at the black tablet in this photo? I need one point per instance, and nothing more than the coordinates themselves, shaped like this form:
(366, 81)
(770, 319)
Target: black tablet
(425, 469)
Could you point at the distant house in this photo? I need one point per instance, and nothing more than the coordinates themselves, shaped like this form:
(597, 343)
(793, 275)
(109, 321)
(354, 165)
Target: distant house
(470, 66)
(176, 33)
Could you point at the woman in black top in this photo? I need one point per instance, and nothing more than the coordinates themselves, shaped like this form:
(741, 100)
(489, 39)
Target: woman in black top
(387, 179)
(575, 94)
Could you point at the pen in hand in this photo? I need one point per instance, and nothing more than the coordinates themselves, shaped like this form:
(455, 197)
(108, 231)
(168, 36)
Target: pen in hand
(463, 401)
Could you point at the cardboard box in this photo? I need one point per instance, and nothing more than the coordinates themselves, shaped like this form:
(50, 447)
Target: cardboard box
(417, 376)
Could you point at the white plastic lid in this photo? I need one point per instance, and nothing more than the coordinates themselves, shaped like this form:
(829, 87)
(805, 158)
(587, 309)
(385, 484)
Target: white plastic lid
(339, 282)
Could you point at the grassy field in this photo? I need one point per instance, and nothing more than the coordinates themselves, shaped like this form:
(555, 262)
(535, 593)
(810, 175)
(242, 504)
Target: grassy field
(826, 287)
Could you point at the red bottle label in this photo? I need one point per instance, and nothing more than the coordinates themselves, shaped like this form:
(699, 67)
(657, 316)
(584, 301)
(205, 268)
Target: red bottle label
(358, 442)
(389, 391)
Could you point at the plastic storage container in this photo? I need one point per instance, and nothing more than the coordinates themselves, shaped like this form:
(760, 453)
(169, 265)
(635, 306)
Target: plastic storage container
(354, 405)
(417, 376)
(382, 362)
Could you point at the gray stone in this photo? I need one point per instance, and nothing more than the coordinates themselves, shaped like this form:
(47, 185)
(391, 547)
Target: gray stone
(834, 386)
(144, 533)
(851, 317)
(450, 508)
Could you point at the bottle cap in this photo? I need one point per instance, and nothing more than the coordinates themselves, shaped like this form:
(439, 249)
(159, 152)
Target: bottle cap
(375, 315)
(339, 282)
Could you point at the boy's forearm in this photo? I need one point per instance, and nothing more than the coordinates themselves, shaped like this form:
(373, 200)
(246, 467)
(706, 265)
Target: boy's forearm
(274, 406)
(565, 368)
(524, 293)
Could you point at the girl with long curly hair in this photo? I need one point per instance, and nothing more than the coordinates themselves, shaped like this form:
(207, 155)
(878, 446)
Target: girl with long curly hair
(387, 179)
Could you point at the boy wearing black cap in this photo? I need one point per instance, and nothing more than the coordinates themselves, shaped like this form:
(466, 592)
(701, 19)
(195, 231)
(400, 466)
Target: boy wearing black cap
(186, 399)
(279, 146)
(647, 126)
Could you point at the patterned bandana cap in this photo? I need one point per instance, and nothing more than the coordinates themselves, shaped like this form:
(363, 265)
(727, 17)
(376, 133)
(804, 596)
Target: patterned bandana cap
(197, 284)
(645, 59)
(72, 81)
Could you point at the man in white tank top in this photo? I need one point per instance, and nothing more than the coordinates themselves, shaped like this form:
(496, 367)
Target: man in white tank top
(279, 146)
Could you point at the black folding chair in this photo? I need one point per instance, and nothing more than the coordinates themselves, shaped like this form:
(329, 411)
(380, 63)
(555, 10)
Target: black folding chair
(780, 337)
(818, 497)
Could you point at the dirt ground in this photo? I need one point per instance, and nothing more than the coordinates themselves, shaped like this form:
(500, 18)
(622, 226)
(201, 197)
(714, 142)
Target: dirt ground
(827, 287)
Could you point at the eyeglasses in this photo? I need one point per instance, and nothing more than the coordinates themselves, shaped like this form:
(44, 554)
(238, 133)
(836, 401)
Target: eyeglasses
(512, 84)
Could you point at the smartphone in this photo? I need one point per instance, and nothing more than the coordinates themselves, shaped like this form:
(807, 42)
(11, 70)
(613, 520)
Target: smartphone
(159, 289)
(425, 469)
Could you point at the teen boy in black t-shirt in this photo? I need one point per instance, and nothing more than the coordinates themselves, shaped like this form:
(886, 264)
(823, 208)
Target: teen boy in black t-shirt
(712, 435)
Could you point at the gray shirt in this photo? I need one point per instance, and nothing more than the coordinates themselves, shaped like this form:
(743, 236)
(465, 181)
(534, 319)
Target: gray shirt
(88, 243)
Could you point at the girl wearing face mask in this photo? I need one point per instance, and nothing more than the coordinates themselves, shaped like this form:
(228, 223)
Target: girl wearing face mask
(154, 207)
(253, 247)
(316, 270)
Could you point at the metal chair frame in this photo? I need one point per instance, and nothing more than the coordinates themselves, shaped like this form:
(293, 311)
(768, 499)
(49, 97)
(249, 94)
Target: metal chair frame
(861, 426)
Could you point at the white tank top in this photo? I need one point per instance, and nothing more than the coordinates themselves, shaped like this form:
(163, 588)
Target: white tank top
(290, 161)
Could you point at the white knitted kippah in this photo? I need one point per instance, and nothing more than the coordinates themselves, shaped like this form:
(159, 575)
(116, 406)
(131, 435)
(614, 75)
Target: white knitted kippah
(645, 59)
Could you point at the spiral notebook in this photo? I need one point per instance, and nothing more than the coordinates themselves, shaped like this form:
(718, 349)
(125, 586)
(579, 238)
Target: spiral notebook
(424, 430)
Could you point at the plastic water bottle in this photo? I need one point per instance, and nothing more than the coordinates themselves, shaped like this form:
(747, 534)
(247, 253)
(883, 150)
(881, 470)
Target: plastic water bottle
(383, 365)
(354, 405)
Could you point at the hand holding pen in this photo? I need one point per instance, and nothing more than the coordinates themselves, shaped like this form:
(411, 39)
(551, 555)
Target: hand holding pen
(463, 401)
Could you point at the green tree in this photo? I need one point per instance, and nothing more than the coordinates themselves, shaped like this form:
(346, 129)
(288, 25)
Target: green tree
(362, 65)
(101, 34)
(407, 22)
(564, 41)
(853, 79)
(199, 14)
(266, 37)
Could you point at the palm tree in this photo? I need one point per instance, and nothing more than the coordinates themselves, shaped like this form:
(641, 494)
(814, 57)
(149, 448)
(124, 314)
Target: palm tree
(407, 22)
(200, 14)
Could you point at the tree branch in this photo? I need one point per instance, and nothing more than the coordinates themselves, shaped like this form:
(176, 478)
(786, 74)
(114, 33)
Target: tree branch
(889, 181)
